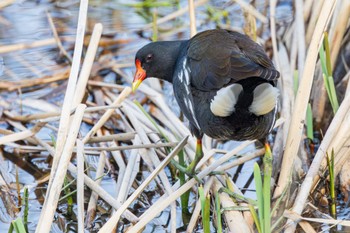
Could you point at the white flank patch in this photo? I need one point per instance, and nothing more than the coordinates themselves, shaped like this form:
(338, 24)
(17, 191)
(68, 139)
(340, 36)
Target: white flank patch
(225, 100)
(265, 99)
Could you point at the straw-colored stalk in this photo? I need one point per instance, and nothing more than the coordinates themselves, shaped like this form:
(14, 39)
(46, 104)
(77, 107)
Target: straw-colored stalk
(234, 219)
(91, 209)
(311, 177)
(302, 97)
(251, 10)
(64, 124)
(58, 40)
(107, 114)
(164, 203)
(52, 195)
(192, 14)
(80, 185)
(111, 223)
(22, 135)
(175, 14)
(6, 3)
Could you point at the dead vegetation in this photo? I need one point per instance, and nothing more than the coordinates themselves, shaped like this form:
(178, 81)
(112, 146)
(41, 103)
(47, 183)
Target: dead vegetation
(120, 137)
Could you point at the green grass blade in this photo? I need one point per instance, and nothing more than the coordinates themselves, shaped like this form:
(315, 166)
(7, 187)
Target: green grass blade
(328, 54)
(333, 95)
(325, 59)
(322, 55)
(154, 26)
(259, 194)
(205, 209)
(18, 226)
(26, 208)
(332, 204)
(218, 213)
(255, 217)
(267, 188)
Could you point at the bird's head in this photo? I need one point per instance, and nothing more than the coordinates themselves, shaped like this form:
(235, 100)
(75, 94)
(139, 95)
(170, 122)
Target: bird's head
(156, 60)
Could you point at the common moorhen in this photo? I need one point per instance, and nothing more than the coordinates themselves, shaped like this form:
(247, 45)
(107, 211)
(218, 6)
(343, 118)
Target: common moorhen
(223, 82)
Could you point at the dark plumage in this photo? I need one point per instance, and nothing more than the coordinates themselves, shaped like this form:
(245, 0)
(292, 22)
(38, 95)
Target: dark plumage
(205, 71)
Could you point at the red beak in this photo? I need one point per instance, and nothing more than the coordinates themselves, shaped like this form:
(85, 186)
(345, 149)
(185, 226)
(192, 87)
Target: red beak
(140, 75)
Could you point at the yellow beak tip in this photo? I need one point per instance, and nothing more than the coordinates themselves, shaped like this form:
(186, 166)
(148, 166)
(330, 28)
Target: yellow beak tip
(135, 85)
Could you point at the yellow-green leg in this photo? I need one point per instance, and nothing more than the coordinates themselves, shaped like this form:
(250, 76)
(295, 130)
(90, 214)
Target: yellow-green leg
(198, 156)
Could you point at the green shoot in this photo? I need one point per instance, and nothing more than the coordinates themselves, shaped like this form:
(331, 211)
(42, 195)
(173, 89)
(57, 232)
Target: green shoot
(218, 213)
(205, 205)
(325, 59)
(259, 195)
(26, 208)
(332, 203)
(255, 217)
(267, 188)
(18, 226)
(154, 26)
(263, 193)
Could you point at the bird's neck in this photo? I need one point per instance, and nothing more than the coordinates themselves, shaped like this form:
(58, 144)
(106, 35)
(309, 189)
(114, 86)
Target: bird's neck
(174, 51)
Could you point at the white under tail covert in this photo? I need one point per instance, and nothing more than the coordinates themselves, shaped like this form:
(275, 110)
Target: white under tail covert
(224, 101)
(265, 99)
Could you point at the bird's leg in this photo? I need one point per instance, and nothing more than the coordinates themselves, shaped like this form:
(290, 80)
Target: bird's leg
(198, 156)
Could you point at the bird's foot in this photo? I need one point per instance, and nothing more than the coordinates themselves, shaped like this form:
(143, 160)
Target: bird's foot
(189, 171)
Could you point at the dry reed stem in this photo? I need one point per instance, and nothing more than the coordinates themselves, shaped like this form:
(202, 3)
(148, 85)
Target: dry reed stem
(6, 3)
(58, 41)
(103, 194)
(107, 114)
(296, 217)
(251, 10)
(308, 7)
(134, 160)
(197, 209)
(22, 135)
(71, 87)
(91, 209)
(103, 84)
(306, 226)
(273, 32)
(175, 14)
(111, 223)
(300, 31)
(52, 195)
(80, 185)
(94, 186)
(339, 30)
(315, 14)
(311, 176)
(193, 28)
(164, 203)
(151, 152)
(302, 97)
(22, 46)
(11, 86)
(87, 64)
(114, 137)
(234, 219)
(241, 160)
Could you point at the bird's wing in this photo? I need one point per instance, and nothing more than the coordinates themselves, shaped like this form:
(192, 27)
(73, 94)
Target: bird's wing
(219, 57)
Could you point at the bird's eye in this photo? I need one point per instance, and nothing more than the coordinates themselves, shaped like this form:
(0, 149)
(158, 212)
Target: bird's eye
(149, 57)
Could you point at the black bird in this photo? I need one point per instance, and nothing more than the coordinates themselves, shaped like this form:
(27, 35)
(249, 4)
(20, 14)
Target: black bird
(223, 82)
